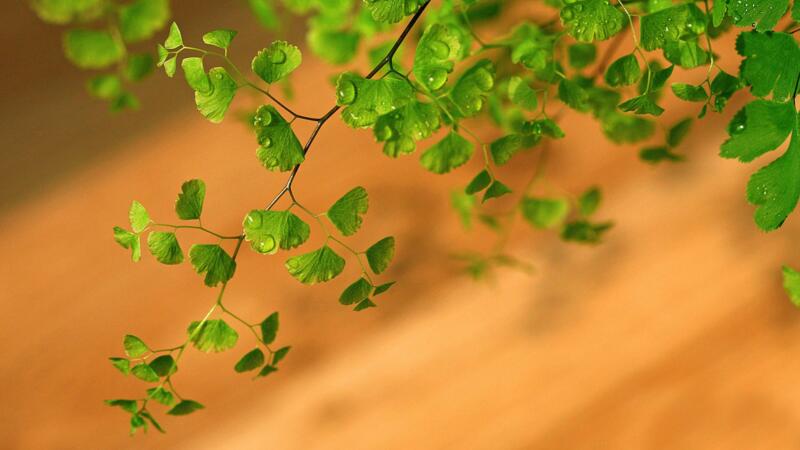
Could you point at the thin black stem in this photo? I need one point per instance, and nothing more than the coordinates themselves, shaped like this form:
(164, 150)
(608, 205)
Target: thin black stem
(321, 121)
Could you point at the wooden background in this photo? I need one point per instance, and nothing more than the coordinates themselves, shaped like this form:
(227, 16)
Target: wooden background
(674, 334)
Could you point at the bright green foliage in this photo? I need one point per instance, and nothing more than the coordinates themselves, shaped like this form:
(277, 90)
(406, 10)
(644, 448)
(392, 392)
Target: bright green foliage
(771, 65)
(105, 87)
(266, 370)
(164, 246)
(334, 46)
(791, 283)
(495, 190)
(463, 204)
(129, 240)
(277, 61)
(189, 205)
(279, 149)
(211, 260)
(62, 12)
(449, 153)
(380, 254)
(315, 267)
(91, 49)
(280, 354)
(670, 24)
(134, 347)
(195, 74)
(250, 361)
(589, 201)
(127, 405)
(144, 372)
(544, 212)
(121, 364)
(265, 13)
(521, 94)
(213, 104)
(174, 38)
(345, 214)
(573, 95)
(765, 13)
(436, 52)
(581, 55)
(504, 148)
(161, 395)
(364, 100)
(759, 127)
(140, 19)
(185, 407)
(212, 336)
(268, 231)
(164, 365)
(139, 66)
(356, 292)
(479, 183)
(269, 328)
(591, 20)
(400, 129)
(531, 47)
(391, 11)
(364, 304)
(138, 217)
(643, 104)
(775, 188)
(624, 71)
(383, 288)
(470, 90)
(689, 92)
(220, 38)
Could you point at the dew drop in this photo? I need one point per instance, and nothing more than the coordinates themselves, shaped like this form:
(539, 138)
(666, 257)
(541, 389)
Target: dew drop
(346, 94)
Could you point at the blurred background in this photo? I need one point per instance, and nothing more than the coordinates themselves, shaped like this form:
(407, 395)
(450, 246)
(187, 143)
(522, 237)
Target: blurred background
(674, 333)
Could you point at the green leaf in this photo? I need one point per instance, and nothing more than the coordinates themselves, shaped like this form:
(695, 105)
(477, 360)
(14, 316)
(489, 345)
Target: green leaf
(356, 292)
(62, 12)
(678, 132)
(265, 13)
(134, 347)
(436, 52)
(470, 90)
(266, 370)
(759, 127)
(130, 406)
(277, 61)
(280, 354)
(521, 94)
(642, 104)
(463, 203)
(383, 288)
(668, 25)
(400, 128)
(504, 148)
(771, 64)
(364, 304)
(655, 155)
(106, 87)
(212, 336)
(279, 149)
(139, 66)
(573, 95)
(152, 421)
(624, 128)
(185, 407)
(220, 38)
(164, 246)
(138, 216)
(161, 395)
(544, 212)
(171, 66)
(722, 88)
(775, 188)
(451, 152)
(163, 53)
(140, 19)
(128, 240)
(195, 74)
(689, 92)
(174, 38)
(90, 49)
(623, 72)
(364, 100)
(796, 12)
(766, 13)
(589, 201)
(496, 189)
(212, 260)
(333, 46)
(346, 213)
(121, 364)
(269, 328)
(592, 20)
(380, 254)
(214, 103)
(479, 183)
(685, 53)
(250, 361)
(267, 231)
(318, 266)
(391, 11)
(164, 365)
(137, 421)
(585, 232)
(189, 205)
(791, 283)
(145, 373)
(581, 55)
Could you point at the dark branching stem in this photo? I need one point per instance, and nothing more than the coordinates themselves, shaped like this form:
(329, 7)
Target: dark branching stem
(287, 188)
